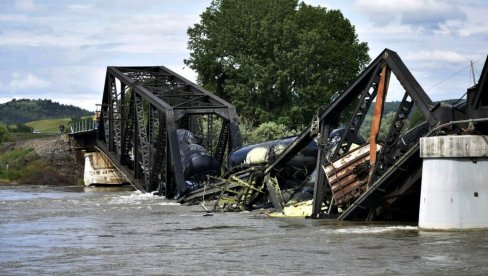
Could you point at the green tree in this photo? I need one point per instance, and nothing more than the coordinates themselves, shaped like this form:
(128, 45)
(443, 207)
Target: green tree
(416, 118)
(20, 127)
(4, 134)
(275, 60)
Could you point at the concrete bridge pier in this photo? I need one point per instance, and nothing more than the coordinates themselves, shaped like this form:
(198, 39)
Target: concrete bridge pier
(99, 171)
(454, 193)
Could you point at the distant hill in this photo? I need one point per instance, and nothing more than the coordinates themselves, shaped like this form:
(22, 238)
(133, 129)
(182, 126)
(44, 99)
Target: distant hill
(25, 110)
(394, 105)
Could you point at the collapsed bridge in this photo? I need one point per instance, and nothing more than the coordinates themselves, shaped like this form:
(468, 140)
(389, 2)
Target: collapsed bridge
(141, 111)
(170, 136)
(375, 180)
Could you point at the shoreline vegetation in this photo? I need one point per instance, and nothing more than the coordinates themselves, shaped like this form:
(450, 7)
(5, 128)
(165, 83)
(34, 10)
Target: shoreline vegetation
(31, 148)
(45, 160)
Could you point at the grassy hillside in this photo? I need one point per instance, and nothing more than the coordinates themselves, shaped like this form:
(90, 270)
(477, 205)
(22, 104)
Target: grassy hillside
(25, 110)
(49, 126)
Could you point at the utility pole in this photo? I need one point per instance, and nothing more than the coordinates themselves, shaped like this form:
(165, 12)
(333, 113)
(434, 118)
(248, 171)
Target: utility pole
(472, 73)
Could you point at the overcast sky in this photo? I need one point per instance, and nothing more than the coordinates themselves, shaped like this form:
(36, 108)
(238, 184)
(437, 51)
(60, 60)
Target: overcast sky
(60, 49)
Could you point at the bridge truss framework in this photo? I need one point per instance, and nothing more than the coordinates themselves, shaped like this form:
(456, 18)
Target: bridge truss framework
(141, 110)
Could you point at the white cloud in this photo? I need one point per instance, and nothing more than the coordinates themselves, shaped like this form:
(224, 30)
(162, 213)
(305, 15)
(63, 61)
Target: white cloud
(30, 81)
(25, 5)
(79, 7)
(13, 18)
(423, 14)
(139, 33)
(185, 72)
(474, 30)
(474, 25)
(437, 56)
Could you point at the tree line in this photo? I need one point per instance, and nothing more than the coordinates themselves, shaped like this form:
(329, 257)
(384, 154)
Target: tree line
(27, 110)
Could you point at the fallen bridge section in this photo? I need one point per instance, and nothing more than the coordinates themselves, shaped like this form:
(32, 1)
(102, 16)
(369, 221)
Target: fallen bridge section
(143, 109)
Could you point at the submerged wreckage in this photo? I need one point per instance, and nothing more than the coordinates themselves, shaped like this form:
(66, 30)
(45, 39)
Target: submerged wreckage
(330, 164)
(172, 137)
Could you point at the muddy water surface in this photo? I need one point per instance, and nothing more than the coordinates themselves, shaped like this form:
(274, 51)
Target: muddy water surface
(72, 230)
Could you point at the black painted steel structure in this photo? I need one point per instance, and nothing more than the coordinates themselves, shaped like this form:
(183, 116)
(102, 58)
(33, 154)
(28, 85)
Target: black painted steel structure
(142, 109)
(358, 98)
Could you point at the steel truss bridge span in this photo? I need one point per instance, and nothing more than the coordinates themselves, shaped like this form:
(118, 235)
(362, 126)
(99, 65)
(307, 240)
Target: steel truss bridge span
(141, 110)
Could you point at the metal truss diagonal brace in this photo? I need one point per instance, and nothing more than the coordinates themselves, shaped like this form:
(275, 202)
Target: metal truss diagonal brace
(174, 149)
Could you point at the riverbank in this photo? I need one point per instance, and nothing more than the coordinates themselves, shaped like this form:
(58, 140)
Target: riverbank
(40, 161)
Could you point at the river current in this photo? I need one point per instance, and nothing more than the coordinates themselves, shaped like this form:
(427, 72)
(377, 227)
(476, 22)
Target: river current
(95, 231)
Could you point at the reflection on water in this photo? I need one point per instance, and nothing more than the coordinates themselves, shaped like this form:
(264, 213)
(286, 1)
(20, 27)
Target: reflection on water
(72, 230)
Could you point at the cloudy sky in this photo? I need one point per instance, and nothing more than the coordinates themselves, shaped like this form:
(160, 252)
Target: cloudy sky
(59, 49)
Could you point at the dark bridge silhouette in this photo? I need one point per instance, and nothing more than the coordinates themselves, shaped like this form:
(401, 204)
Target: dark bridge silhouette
(142, 109)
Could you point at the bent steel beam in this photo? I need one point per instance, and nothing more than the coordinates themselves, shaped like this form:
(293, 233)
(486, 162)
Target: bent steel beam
(359, 96)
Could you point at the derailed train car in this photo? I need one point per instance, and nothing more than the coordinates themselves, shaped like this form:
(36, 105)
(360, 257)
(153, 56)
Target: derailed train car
(197, 162)
(377, 179)
(296, 179)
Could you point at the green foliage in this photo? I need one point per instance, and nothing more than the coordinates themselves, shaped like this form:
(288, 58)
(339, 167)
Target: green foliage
(416, 119)
(21, 136)
(80, 182)
(388, 107)
(386, 120)
(49, 126)
(20, 128)
(19, 163)
(74, 120)
(246, 128)
(25, 110)
(264, 132)
(275, 60)
(4, 134)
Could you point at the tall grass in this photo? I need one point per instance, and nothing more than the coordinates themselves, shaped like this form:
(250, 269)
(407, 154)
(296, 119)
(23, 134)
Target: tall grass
(19, 163)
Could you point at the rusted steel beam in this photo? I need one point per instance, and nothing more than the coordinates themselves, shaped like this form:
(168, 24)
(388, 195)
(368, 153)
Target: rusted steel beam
(378, 112)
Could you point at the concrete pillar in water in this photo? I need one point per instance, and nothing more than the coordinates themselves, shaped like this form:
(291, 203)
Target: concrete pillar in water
(454, 193)
(100, 171)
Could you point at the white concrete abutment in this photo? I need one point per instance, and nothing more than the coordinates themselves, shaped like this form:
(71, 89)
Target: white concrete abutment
(100, 171)
(454, 193)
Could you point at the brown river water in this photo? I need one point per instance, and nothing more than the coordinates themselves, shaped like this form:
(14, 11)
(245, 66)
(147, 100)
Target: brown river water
(94, 231)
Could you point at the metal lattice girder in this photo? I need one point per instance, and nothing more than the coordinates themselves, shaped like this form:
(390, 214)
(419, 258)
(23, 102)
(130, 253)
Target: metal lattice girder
(128, 135)
(143, 146)
(158, 173)
(116, 115)
(367, 97)
(105, 111)
(141, 110)
(388, 155)
(222, 143)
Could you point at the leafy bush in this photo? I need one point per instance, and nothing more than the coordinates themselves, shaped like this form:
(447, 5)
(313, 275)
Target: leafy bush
(264, 132)
(20, 128)
(18, 163)
(4, 134)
